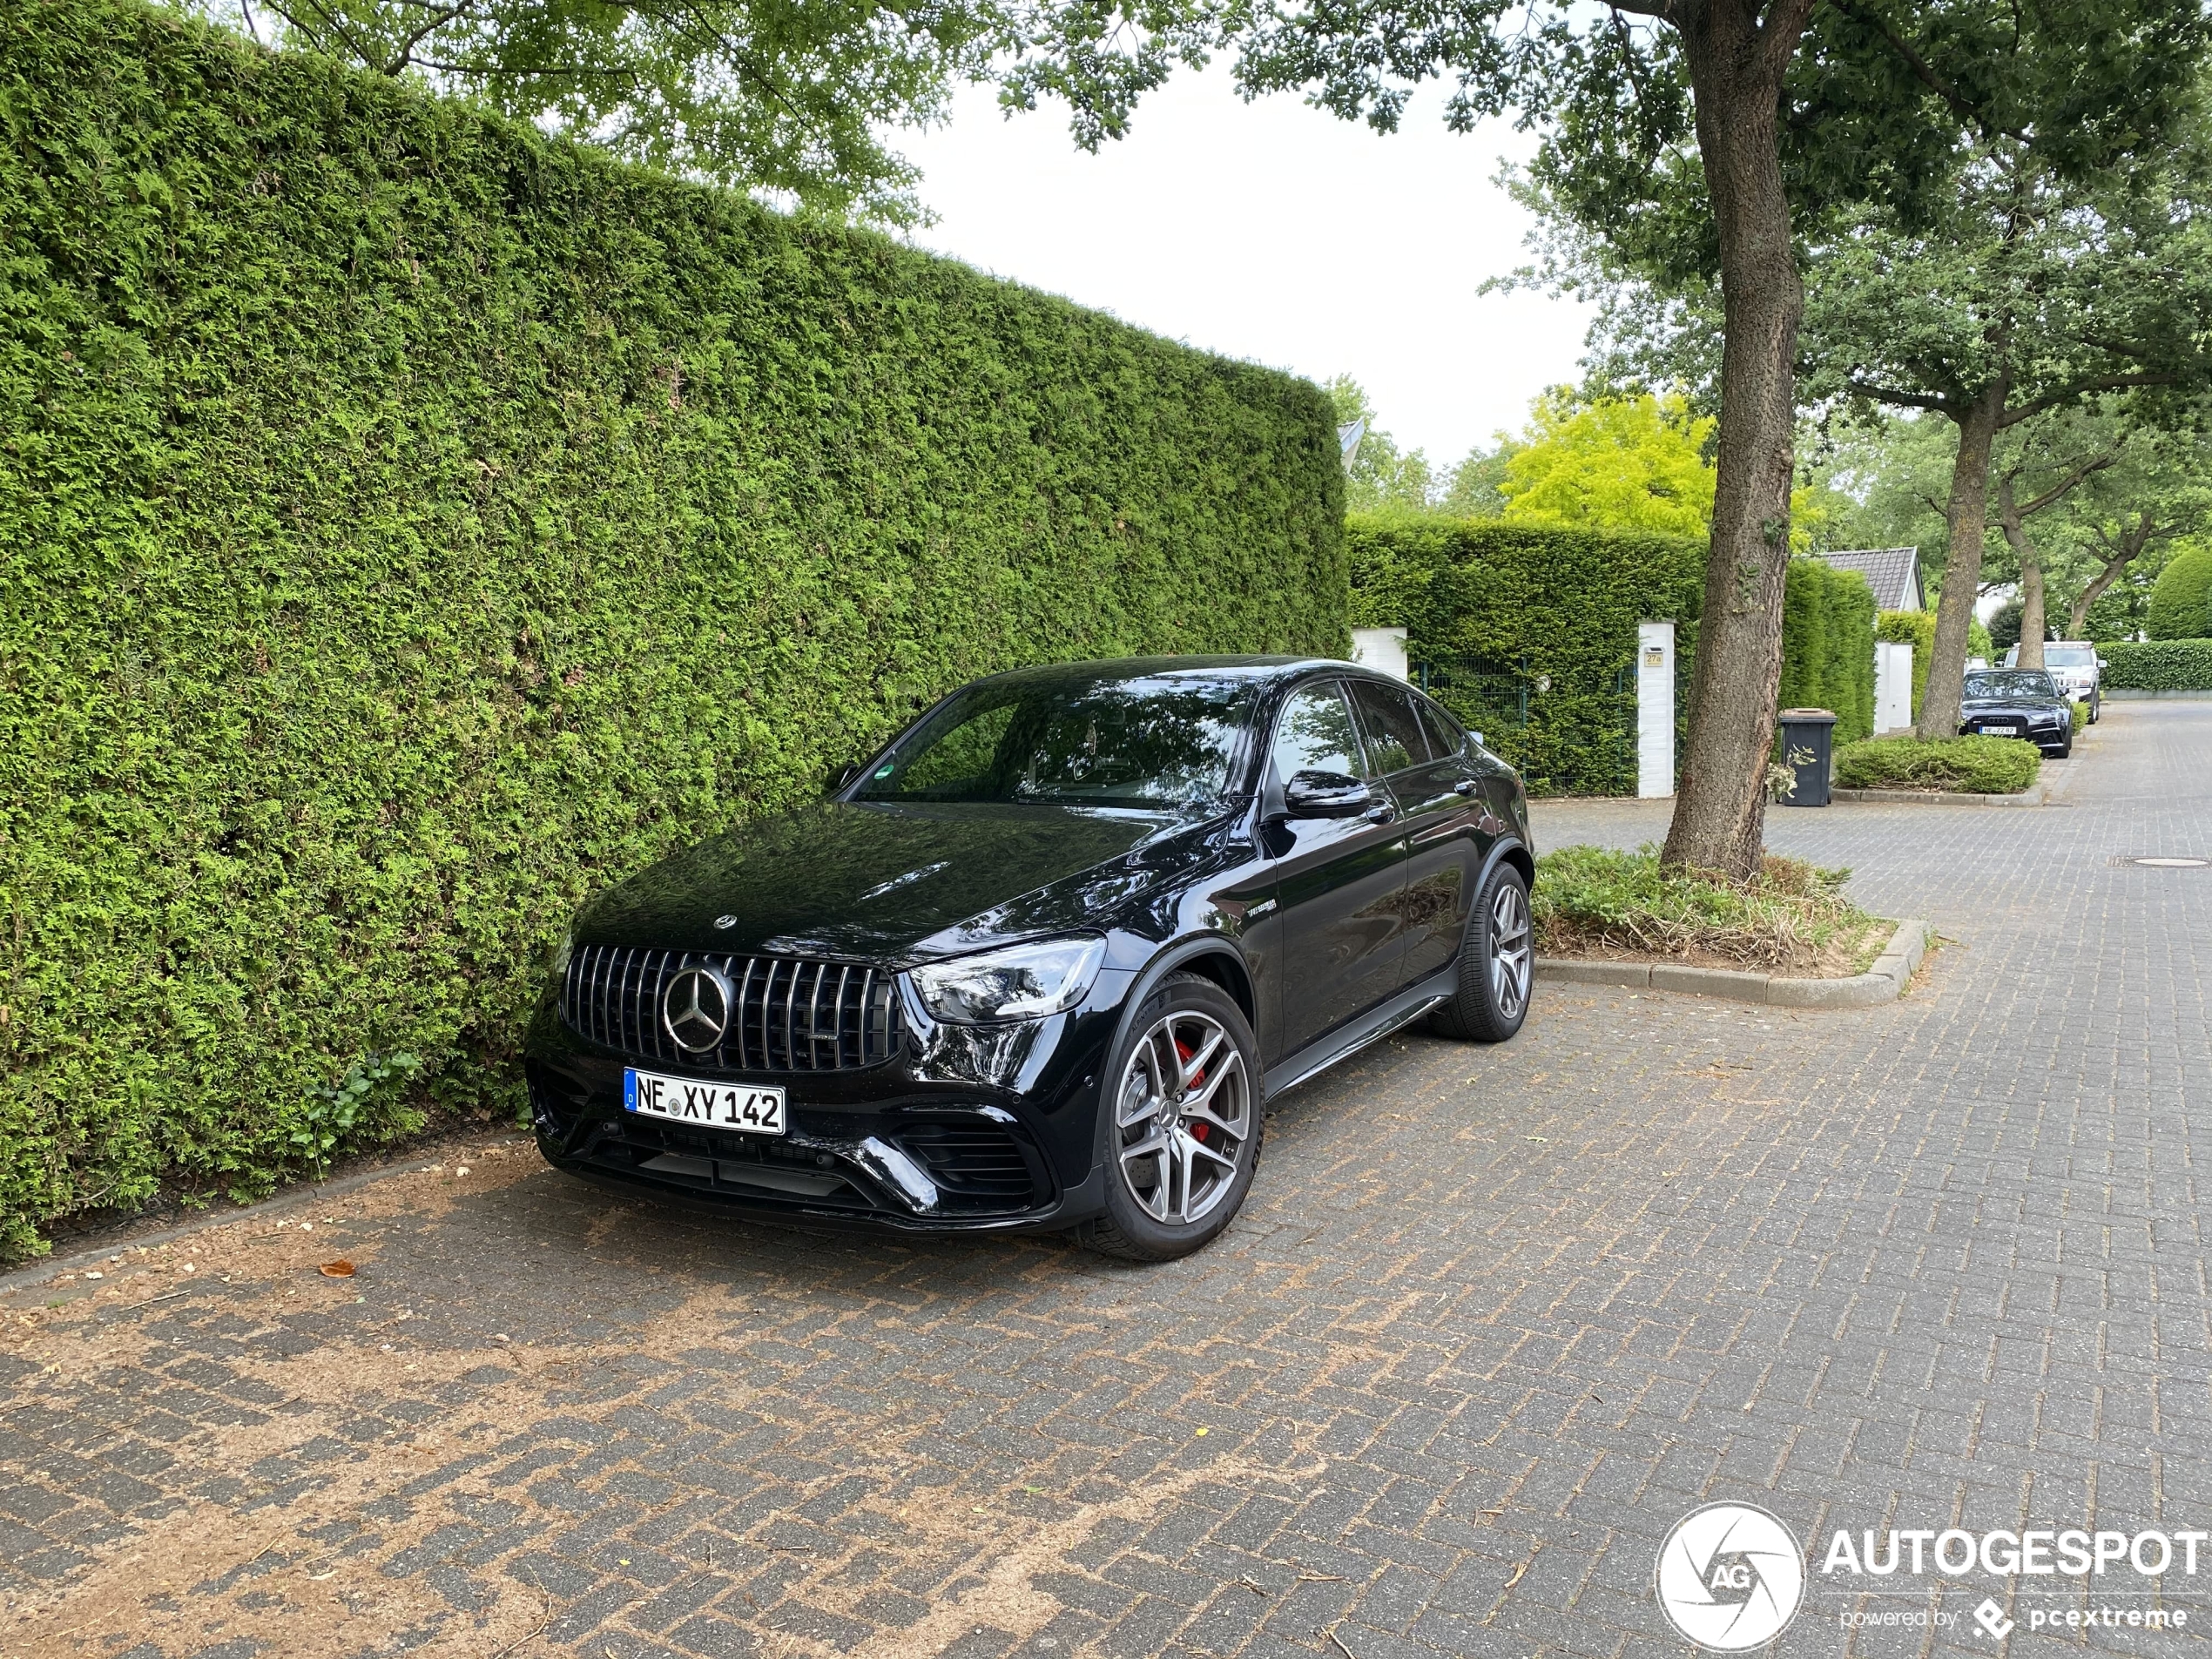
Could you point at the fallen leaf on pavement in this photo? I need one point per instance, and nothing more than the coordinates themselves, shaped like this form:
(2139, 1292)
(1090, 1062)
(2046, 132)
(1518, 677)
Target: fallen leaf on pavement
(337, 1269)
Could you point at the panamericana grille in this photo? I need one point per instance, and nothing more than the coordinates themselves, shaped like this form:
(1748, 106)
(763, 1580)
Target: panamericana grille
(791, 1014)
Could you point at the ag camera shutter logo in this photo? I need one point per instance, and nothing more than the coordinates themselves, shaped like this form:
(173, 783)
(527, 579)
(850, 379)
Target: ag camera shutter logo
(1730, 1577)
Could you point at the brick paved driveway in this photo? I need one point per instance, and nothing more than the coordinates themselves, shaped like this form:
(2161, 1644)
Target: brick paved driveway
(1493, 1321)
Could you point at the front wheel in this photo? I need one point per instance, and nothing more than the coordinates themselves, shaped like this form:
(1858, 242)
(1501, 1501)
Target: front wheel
(1180, 1124)
(2096, 707)
(1497, 963)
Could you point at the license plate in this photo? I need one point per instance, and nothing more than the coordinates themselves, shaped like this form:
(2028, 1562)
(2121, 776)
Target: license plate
(2002, 731)
(742, 1107)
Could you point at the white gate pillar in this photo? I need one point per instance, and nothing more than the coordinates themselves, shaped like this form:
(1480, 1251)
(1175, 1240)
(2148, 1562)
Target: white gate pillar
(1655, 709)
(1893, 685)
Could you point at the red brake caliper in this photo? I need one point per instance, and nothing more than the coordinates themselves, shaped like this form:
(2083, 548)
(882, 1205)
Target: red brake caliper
(1199, 1132)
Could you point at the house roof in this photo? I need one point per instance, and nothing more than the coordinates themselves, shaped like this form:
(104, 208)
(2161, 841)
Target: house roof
(1892, 572)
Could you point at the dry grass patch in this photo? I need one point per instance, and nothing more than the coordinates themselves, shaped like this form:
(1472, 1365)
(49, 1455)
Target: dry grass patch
(1593, 901)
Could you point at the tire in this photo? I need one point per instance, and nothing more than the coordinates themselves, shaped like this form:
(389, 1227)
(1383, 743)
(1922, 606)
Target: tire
(2096, 706)
(2066, 748)
(1201, 1117)
(1497, 963)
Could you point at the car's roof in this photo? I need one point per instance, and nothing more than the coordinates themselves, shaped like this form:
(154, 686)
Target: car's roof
(1258, 668)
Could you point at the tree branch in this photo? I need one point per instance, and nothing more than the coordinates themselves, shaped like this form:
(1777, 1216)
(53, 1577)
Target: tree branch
(2066, 485)
(1925, 72)
(2066, 393)
(1902, 399)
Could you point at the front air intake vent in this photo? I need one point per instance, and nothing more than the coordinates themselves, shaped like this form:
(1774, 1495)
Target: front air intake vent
(780, 1014)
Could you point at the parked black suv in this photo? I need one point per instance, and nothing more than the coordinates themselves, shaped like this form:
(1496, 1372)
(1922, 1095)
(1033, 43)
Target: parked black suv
(1040, 963)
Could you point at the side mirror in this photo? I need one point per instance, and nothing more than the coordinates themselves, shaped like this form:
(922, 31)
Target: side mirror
(1325, 794)
(2101, 662)
(1477, 736)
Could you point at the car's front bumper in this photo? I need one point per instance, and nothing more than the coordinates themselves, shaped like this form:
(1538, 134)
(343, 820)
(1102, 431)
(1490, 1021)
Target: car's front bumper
(965, 1129)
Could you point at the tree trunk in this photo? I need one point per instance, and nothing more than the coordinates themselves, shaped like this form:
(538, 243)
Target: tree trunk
(1968, 519)
(1735, 71)
(2130, 548)
(2031, 626)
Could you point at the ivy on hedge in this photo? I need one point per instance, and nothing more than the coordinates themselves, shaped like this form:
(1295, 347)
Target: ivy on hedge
(409, 524)
(2157, 665)
(1539, 604)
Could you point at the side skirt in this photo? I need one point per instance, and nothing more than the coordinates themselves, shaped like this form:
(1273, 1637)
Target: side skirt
(1378, 1022)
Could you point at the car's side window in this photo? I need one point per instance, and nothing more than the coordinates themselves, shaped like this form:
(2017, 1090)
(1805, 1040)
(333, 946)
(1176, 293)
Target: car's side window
(1394, 738)
(1446, 737)
(1313, 733)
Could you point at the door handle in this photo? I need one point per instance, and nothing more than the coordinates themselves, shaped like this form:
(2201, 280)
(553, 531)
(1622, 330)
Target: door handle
(1465, 787)
(1381, 814)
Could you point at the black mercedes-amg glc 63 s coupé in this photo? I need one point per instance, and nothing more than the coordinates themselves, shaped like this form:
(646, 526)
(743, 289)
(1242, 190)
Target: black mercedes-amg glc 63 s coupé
(1040, 963)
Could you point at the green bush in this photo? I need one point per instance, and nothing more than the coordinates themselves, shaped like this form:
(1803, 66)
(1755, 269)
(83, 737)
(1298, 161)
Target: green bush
(2157, 664)
(409, 524)
(1828, 646)
(2180, 600)
(1549, 605)
(1968, 766)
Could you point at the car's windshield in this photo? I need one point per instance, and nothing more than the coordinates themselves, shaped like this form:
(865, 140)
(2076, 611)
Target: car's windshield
(2068, 655)
(2011, 682)
(1154, 741)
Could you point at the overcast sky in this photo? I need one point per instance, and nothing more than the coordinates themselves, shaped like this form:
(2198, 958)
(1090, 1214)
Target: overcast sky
(1276, 232)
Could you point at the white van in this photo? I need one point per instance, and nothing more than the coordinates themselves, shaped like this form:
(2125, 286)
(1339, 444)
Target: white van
(2074, 665)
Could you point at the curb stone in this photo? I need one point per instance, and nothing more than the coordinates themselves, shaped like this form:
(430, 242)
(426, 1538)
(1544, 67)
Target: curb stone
(1884, 983)
(2039, 796)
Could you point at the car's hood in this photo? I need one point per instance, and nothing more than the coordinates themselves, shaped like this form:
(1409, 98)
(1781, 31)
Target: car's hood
(879, 882)
(2011, 704)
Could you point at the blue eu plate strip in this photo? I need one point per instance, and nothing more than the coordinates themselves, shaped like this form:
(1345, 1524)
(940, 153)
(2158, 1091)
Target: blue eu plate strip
(629, 1089)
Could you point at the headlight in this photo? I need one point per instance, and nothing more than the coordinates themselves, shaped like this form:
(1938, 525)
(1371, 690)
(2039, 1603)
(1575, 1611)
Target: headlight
(1021, 982)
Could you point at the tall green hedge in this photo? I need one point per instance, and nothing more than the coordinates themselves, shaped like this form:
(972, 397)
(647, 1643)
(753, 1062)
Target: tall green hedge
(409, 524)
(2180, 600)
(1828, 646)
(1555, 605)
(2157, 665)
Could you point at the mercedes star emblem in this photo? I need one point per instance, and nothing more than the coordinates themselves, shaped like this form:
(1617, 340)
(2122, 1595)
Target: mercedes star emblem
(725, 921)
(695, 1008)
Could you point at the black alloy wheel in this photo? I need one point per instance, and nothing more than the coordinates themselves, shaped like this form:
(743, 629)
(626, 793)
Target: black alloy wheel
(1497, 963)
(1180, 1124)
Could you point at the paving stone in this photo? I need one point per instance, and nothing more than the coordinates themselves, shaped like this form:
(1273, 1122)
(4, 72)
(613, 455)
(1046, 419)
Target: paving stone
(1493, 1319)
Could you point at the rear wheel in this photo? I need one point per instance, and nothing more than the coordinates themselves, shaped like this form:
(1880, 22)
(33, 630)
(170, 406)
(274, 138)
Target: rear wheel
(1497, 963)
(1181, 1125)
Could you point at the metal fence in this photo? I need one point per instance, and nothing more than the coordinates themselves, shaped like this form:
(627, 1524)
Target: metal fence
(1575, 736)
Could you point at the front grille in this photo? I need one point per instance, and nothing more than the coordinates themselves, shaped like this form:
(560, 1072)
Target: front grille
(978, 1160)
(792, 1016)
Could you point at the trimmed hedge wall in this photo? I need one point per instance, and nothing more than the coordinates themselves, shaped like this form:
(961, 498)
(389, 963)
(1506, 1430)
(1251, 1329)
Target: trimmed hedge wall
(410, 523)
(1562, 605)
(2157, 664)
(1556, 604)
(1828, 646)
